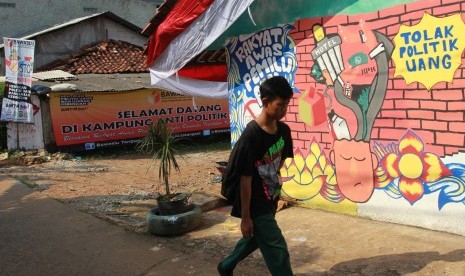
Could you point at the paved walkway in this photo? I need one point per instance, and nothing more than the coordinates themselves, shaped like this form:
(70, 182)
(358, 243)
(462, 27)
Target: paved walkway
(40, 236)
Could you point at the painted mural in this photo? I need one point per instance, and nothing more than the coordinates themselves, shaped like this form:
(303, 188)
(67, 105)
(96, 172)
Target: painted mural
(407, 171)
(378, 114)
(430, 51)
(353, 63)
(252, 59)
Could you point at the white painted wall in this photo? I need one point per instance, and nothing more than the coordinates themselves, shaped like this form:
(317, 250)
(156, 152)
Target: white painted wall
(424, 213)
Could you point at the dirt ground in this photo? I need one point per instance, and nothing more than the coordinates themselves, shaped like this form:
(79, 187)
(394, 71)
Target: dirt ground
(104, 182)
(114, 184)
(119, 185)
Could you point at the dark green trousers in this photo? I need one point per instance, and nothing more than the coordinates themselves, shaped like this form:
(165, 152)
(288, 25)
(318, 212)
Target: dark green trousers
(268, 237)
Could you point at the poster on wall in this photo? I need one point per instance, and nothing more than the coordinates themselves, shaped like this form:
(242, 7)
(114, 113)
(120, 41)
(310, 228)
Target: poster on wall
(87, 121)
(252, 59)
(19, 63)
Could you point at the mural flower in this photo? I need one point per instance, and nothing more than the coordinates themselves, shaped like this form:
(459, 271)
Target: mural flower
(307, 175)
(414, 168)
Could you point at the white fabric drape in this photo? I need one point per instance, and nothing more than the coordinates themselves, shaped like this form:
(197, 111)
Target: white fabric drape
(196, 38)
(194, 87)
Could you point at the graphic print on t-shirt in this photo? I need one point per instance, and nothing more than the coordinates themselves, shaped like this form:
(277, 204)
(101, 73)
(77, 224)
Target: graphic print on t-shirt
(268, 168)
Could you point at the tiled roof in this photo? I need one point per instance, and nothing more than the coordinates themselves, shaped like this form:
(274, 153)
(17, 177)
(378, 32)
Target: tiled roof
(106, 57)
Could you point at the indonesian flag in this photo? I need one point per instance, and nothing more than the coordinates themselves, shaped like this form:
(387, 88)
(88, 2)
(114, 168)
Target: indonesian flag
(188, 29)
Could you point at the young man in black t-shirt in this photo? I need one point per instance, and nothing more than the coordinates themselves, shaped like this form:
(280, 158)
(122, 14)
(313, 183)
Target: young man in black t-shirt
(261, 150)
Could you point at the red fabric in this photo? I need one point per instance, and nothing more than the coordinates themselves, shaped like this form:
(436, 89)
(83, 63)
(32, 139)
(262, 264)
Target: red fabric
(216, 72)
(178, 19)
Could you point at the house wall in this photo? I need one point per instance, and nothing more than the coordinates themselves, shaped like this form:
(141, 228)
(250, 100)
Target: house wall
(30, 16)
(395, 150)
(61, 43)
(118, 32)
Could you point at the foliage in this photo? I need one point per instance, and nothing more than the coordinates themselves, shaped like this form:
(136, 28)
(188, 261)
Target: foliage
(160, 142)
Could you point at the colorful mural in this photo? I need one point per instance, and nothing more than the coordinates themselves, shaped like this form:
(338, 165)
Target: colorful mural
(430, 51)
(355, 68)
(407, 171)
(252, 59)
(379, 119)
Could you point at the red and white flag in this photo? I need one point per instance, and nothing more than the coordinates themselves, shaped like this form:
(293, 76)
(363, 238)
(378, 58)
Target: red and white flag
(188, 29)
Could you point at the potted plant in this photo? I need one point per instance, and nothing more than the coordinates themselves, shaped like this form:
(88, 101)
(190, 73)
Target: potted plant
(160, 143)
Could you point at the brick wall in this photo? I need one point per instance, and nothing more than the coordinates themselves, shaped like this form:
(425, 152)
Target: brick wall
(436, 116)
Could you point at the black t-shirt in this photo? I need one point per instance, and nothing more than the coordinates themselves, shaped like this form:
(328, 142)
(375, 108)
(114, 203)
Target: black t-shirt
(260, 154)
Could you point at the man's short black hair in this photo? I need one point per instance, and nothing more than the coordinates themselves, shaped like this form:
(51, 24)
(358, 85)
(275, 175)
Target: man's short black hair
(274, 87)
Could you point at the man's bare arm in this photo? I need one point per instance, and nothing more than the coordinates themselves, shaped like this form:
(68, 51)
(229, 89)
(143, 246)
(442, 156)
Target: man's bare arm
(246, 194)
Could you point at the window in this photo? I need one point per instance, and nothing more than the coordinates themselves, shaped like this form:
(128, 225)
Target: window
(7, 5)
(87, 9)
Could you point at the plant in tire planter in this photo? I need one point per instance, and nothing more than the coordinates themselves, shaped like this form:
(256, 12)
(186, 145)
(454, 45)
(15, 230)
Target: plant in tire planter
(160, 143)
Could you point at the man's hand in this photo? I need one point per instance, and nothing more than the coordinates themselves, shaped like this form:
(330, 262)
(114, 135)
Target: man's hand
(247, 227)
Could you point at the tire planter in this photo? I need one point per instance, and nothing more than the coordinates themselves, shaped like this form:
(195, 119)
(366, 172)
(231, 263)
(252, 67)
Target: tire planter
(173, 224)
(173, 207)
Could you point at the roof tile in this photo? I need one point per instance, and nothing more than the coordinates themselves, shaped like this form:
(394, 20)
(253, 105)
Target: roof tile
(105, 57)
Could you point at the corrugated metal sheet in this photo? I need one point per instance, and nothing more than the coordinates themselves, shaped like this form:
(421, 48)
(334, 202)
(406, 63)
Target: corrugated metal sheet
(107, 82)
(53, 75)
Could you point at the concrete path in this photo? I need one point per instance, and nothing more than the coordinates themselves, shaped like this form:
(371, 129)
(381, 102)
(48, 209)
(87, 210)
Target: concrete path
(40, 236)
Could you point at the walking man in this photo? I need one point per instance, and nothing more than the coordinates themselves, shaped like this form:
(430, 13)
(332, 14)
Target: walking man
(261, 151)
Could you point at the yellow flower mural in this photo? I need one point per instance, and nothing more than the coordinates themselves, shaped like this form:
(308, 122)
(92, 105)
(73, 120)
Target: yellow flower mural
(309, 175)
(411, 165)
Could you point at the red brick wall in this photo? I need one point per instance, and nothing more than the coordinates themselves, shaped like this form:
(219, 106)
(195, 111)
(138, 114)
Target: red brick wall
(436, 116)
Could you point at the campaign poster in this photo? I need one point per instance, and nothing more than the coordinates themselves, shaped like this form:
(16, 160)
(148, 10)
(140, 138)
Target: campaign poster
(19, 63)
(87, 121)
(252, 59)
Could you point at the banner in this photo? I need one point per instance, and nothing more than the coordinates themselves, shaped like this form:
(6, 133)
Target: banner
(251, 60)
(19, 61)
(105, 119)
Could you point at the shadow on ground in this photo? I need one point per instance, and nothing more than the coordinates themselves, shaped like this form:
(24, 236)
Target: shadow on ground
(394, 264)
